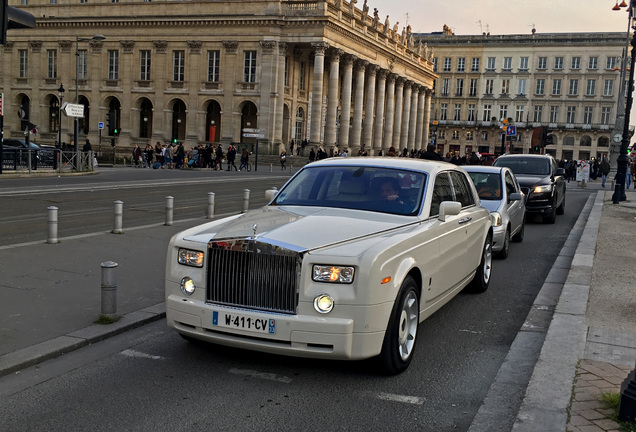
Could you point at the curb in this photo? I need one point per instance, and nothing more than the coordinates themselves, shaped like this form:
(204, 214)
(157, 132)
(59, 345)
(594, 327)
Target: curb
(26, 357)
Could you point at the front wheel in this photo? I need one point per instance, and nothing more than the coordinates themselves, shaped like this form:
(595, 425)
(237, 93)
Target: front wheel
(503, 253)
(482, 276)
(401, 332)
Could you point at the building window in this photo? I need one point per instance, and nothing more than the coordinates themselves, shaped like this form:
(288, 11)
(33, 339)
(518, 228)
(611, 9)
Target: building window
(576, 63)
(469, 136)
(443, 114)
(558, 63)
(299, 125)
(519, 113)
(82, 63)
(593, 63)
(286, 71)
(487, 113)
(608, 88)
(475, 65)
(523, 84)
(543, 63)
(491, 64)
(471, 112)
(214, 60)
(571, 114)
(605, 115)
(458, 112)
(587, 116)
(461, 64)
(459, 90)
(574, 87)
(591, 87)
(445, 86)
(441, 134)
(556, 87)
(447, 64)
(23, 57)
(178, 65)
(523, 64)
(507, 64)
(113, 64)
(249, 66)
(554, 114)
(489, 86)
(455, 134)
(144, 65)
(473, 87)
(301, 78)
(505, 86)
(538, 113)
(611, 63)
(435, 64)
(52, 63)
(484, 135)
(540, 87)
(503, 111)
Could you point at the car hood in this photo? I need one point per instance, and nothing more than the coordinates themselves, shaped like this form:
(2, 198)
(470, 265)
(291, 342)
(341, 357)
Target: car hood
(529, 181)
(302, 228)
(492, 205)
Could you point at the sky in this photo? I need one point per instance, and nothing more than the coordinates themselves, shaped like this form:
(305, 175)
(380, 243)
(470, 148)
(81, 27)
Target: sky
(473, 17)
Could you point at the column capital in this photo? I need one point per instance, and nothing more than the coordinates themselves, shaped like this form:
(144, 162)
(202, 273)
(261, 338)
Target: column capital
(348, 59)
(372, 69)
(267, 46)
(282, 48)
(335, 54)
(382, 74)
(319, 48)
(399, 81)
(408, 84)
(360, 65)
(391, 77)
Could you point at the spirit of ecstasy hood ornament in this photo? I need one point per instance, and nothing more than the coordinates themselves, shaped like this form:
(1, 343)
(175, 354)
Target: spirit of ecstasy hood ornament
(254, 228)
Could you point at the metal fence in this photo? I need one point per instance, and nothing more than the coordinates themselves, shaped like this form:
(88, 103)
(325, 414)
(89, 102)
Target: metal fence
(49, 160)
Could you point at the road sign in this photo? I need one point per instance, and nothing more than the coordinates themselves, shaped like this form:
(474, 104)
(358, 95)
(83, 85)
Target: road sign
(253, 135)
(100, 125)
(511, 130)
(73, 110)
(249, 130)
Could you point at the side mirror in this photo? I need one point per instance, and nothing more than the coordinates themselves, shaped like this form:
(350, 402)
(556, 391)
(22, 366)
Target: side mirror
(560, 171)
(515, 196)
(448, 208)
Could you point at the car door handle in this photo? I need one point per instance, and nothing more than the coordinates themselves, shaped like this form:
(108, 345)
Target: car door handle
(465, 220)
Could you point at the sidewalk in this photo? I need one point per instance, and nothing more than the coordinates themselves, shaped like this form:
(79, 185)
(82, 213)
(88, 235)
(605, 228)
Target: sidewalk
(51, 297)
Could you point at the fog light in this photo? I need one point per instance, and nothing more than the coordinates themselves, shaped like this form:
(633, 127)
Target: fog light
(187, 286)
(323, 303)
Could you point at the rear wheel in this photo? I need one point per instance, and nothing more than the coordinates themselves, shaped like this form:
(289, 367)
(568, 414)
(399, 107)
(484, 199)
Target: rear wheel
(561, 209)
(401, 332)
(482, 276)
(551, 217)
(518, 238)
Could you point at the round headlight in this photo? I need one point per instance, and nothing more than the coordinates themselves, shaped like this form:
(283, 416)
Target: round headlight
(187, 285)
(323, 303)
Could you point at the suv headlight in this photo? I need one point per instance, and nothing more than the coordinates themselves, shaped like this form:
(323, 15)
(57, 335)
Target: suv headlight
(542, 188)
(190, 257)
(332, 274)
(495, 218)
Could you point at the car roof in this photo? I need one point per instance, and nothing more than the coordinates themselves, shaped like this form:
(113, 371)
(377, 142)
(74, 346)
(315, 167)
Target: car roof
(386, 162)
(485, 168)
(523, 156)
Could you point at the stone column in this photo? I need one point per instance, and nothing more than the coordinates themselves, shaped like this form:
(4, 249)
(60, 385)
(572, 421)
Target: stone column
(406, 117)
(413, 118)
(379, 111)
(231, 118)
(389, 113)
(356, 131)
(316, 96)
(369, 103)
(332, 97)
(420, 144)
(345, 112)
(280, 95)
(268, 95)
(427, 114)
(397, 122)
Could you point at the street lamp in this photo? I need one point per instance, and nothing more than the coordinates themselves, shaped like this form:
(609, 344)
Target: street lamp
(78, 39)
(60, 93)
(621, 166)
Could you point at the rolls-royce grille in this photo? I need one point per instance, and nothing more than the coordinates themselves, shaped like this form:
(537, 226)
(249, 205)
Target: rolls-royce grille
(244, 275)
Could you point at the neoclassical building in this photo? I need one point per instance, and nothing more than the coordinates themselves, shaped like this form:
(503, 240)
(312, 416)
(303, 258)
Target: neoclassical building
(330, 72)
(568, 82)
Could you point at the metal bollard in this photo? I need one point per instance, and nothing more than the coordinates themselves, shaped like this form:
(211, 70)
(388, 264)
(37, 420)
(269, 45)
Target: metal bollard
(109, 288)
(291, 169)
(169, 210)
(271, 167)
(246, 200)
(52, 238)
(119, 216)
(210, 205)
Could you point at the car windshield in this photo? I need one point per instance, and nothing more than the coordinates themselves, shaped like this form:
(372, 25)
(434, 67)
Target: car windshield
(488, 185)
(530, 165)
(376, 189)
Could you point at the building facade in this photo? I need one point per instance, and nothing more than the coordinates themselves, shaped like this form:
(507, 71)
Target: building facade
(222, 71)
(569, 83)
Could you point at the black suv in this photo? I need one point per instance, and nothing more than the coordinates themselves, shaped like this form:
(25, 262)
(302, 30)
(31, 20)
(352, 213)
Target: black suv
(17, 149)
(541, 180)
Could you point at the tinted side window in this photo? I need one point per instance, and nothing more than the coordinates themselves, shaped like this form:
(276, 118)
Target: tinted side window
(442, 191)
(463, 192)
(510, 184)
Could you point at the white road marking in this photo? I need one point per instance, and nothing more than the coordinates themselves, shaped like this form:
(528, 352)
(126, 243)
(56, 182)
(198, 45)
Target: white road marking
(400, 398)
(139, 354)
(262, 375)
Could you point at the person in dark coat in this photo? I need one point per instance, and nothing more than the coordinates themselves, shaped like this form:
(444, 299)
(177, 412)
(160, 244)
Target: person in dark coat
(431, 154)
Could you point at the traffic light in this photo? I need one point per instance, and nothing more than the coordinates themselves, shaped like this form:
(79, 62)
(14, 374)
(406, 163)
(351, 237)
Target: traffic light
(115, 131)
(174, 140)
(109, 128)
(11, 18)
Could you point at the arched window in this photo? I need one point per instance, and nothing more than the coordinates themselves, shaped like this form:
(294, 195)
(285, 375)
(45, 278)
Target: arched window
(145, 118)
(178, 120)
(213, 121)
(54, 114)
(568, 140)
(299, 125)
(84, 122)
(603, 141)
(585, 141)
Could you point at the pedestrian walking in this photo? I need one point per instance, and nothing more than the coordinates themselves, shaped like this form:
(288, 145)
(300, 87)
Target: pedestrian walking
(605, 169)
(231, 156)
(283, 159)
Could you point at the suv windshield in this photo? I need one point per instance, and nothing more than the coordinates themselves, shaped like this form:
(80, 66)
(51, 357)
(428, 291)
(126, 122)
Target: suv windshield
(529, 165)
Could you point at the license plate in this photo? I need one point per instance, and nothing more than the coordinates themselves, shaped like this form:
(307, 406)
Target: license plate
(237, 321)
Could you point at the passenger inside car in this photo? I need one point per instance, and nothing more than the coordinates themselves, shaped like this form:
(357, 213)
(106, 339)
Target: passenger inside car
(491, 189)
